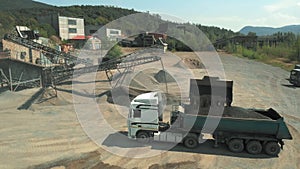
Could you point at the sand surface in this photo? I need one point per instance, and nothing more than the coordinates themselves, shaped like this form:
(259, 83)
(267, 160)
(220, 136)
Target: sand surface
(49, 134)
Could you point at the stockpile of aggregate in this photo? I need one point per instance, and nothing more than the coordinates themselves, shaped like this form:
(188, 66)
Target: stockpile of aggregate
(164, 77)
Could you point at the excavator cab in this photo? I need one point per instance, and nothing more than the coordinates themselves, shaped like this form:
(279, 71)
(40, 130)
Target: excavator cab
(295, 77)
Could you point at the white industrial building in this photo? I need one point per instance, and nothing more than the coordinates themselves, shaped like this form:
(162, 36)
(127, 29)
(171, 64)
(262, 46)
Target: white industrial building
(66, 27)
(70, 27)
(113, 34)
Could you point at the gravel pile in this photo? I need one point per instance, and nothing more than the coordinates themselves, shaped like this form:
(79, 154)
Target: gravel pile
(164, 77)
(190, 63)
(123, 96)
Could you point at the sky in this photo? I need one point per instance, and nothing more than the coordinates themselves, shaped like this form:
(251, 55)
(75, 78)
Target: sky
(230, 14)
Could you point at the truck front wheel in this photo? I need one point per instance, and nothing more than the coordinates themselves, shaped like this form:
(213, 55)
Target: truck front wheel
(143, 137)
(272, 148)
(236, 145)
(190, 142)
(254, 147)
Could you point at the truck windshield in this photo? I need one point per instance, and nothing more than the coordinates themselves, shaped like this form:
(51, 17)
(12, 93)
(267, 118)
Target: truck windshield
(293, 72)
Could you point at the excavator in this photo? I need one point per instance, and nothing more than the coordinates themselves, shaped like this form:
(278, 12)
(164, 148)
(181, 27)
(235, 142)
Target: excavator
(295, 76)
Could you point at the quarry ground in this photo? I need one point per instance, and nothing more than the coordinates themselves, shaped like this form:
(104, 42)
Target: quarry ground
(49, 134)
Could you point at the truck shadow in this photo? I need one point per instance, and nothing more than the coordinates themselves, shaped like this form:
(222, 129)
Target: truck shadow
(289, 86)
(120, 139)
(3, 89)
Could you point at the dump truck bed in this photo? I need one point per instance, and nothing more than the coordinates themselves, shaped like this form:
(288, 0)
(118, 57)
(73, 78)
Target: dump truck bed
(258, 122)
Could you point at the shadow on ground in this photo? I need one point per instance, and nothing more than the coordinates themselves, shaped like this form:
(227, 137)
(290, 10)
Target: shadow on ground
(75, 92)
(116, 140)
(31, 100)
(70, 82)
(3, 89)
(289, 86)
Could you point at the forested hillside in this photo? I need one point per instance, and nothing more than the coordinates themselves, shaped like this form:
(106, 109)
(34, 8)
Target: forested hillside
(214, 33)
(21, 4)
(12, 14)
(93, 15)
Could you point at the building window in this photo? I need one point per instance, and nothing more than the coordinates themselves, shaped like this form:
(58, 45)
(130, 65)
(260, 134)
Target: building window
(113, 32)
(72, 22)
(23, 55)
(72, 30)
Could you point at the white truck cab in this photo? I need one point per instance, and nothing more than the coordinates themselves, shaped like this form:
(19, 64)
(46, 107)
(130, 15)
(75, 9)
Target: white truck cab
(145, 121)
(145, 113)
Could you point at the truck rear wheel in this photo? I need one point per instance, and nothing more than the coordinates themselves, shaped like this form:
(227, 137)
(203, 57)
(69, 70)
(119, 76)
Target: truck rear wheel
(236, 145)
(190, 142)
(272, 148)
(143, 137)
(254, 147)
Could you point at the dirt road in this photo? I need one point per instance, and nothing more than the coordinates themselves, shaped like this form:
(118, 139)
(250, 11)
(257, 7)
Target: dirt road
(49, 134)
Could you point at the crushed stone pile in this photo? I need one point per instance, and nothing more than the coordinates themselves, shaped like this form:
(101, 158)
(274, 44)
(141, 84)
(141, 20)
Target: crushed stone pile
(164, 77)
(190, 63)
(143, 80)
(123, 95)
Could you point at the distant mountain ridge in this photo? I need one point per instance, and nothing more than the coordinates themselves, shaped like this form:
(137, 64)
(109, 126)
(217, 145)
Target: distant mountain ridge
(21, 4)
(262, 31)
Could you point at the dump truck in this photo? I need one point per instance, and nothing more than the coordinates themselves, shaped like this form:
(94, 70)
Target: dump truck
(254, 130)
(295, 76)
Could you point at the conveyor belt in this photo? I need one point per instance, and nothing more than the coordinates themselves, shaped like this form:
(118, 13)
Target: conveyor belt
(52, 54)
(60, 75)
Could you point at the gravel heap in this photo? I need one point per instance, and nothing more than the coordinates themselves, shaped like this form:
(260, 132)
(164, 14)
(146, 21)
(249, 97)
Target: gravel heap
(190, 63)
(164, 77)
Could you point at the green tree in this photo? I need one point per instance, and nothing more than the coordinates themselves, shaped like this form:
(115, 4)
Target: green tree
(49, 30)
(113, 53)
(251, 34)
(297, 48)
(101, 20)
(7, 23)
